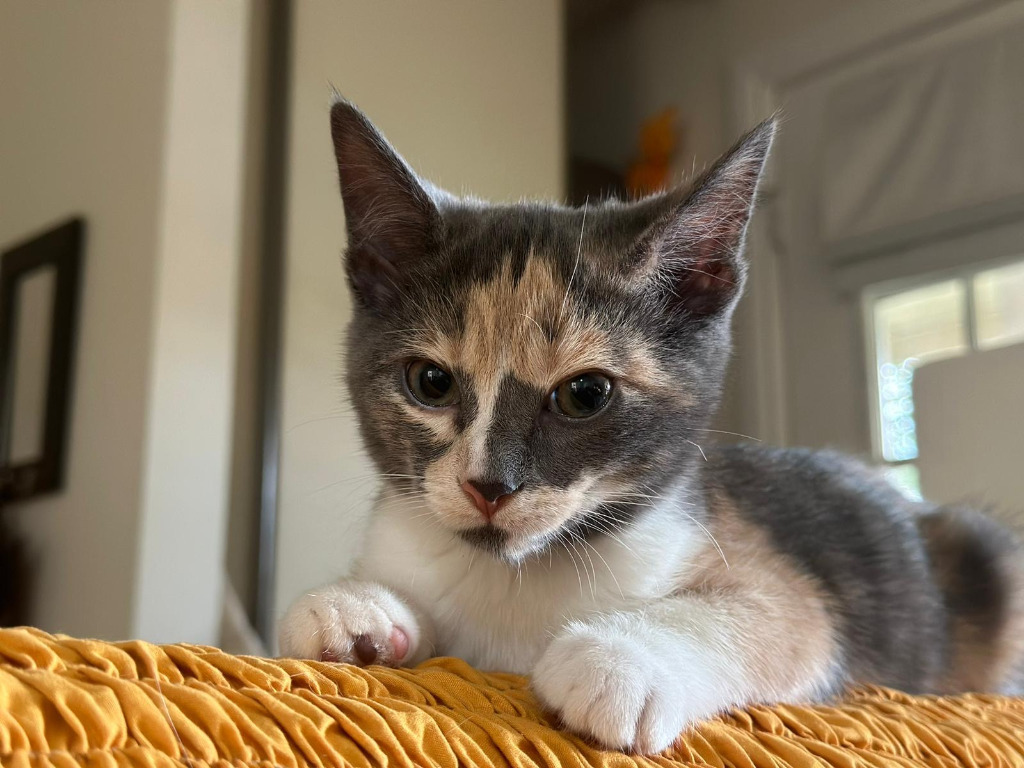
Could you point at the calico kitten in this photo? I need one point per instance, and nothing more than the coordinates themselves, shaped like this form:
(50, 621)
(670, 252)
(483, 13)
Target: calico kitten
(533, 383)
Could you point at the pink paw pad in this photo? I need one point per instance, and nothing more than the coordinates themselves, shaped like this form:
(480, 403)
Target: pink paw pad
(399, 644)
(366, 651)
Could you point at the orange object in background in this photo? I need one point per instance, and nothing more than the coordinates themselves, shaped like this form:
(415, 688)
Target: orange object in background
(652, 170)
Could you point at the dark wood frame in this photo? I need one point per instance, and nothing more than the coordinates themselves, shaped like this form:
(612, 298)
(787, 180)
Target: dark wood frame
(61, 248)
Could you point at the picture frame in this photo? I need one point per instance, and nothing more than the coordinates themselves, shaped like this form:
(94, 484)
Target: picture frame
(59, 250)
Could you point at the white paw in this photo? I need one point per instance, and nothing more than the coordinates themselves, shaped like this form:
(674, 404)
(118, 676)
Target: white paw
(605, 684)
(355, 622)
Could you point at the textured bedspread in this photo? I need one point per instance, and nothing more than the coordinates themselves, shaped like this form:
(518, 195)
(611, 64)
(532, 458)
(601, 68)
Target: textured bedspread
(67, 702)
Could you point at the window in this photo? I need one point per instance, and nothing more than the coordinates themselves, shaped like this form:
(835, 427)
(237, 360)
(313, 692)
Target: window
(932, 321)
(999, 306)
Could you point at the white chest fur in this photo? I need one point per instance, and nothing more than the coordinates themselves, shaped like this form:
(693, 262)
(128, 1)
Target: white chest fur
(501, 616)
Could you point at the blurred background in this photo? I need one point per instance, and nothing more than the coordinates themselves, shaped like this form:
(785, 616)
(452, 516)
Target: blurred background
(179, 459)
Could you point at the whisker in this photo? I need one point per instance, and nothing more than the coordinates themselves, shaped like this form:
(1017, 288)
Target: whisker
(579, 251)
(340, 415)
(704, 455)
(579, 577)
(359, 483)
(710, 536)
(539, 327)
(724, 432)
(592, 583)
(610, 571)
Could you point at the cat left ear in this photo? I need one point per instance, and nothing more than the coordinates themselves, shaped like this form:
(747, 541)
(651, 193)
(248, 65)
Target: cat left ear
(697, 251)
(391, 219)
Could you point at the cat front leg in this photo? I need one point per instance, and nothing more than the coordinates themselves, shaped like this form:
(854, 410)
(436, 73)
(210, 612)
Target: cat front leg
(358, 622)
(635, 680)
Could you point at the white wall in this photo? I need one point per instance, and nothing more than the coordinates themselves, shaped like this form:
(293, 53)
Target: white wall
(84, 99)
(471, 94)
(130, 114)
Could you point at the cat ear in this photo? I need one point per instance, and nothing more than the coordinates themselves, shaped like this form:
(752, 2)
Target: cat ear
(391, 220)
(696, 251)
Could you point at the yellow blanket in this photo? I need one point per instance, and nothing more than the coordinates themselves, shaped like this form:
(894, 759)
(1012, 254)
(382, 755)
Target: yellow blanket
(66, 702)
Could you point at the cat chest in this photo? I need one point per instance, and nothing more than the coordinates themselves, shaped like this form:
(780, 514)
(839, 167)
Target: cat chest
(498, 616)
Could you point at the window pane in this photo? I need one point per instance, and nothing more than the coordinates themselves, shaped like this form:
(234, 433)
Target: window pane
(912, 328)
(999, 306)
(906, 478)
(925, 324)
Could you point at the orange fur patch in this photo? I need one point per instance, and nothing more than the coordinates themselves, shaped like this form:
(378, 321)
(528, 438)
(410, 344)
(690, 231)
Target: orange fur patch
(506, 324)
(786, 635)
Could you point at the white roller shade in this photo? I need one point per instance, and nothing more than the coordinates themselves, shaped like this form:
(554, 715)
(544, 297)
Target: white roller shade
(923, 145)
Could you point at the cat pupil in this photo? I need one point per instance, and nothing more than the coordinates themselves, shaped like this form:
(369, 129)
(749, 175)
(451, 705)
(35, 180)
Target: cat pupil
(431, 385)
(583, 395)
(435, 382)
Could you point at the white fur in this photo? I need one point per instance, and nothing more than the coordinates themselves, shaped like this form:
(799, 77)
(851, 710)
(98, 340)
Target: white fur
(576, 619)
(500, 616)
(628, 682)
(331, 618)
(614, 648)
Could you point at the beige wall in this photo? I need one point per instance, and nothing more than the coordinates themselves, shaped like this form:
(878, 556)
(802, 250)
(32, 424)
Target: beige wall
(470, 93)
(131, 115)
(180, 573)
(84, 99)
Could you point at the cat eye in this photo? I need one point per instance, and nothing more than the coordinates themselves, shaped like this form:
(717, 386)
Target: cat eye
(581, 396)
(431, 385)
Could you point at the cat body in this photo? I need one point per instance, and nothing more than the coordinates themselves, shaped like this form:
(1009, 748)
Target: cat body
(534, 383)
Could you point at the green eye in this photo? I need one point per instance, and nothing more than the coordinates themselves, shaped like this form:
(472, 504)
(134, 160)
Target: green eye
(582, 395)
(431, 385)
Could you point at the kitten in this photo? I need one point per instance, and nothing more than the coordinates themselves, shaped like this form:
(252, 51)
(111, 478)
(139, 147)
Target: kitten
(533, 382)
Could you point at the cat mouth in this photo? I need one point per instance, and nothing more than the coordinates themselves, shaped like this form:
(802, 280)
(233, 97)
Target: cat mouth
(488, 537)
(504, 546)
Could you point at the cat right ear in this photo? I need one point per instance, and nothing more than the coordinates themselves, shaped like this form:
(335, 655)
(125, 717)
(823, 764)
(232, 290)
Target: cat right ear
(696, 252)
(391, 220)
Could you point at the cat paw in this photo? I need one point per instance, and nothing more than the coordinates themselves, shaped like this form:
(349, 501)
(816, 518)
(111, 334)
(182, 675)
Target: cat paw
(605, 685)
(353, 622)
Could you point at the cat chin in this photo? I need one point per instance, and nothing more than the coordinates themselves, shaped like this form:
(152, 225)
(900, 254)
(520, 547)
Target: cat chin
(487, 537)
(498, 543)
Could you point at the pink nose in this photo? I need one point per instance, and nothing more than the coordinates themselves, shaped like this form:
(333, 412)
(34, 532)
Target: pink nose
(487, 497)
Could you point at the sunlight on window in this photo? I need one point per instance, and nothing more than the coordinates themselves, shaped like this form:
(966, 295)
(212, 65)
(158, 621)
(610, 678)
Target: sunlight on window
(913, 328)
(906, 478)
(999, 306)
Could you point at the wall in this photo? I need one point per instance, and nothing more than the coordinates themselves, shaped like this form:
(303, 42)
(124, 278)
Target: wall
(472, 97)
(83, 134)
(180, 573)
(685, 54)
(688, 55)
(131, 115)
(971, 430)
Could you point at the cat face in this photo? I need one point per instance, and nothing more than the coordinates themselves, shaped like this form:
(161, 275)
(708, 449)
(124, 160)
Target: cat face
(531, 374)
